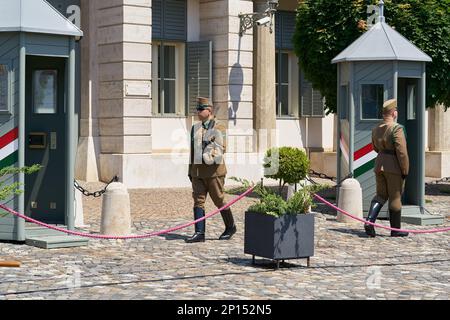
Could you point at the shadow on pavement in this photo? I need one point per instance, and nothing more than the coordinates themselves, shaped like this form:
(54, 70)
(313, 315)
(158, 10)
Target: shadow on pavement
(173, 236)
(262, 263)
(359, 233)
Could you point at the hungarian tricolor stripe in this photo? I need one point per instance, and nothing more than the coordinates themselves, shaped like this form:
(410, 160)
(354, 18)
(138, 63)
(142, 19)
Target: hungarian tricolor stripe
(364, 160)
(9, 146)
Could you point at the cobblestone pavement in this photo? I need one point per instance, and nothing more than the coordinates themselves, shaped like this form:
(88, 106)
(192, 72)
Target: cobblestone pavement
(346, 264)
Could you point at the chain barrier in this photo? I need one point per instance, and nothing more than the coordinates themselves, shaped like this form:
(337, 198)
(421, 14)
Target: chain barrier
(321, 175)
(324, 176)
(95, 194)
(446, 179)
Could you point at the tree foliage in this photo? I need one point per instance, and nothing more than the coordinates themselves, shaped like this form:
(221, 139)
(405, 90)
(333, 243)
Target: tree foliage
(324, 28)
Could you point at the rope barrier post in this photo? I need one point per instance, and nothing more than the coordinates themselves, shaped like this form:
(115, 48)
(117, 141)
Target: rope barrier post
(116, 217)
(350, 200)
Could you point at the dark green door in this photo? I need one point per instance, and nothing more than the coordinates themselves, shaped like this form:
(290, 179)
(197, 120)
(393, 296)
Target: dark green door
(45, 131)
(407, 114)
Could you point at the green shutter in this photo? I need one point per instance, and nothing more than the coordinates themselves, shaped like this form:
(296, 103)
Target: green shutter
(317, 104)
(157, 19)
(199, 73)
(169, 20)
(312, 103)
(284, 29)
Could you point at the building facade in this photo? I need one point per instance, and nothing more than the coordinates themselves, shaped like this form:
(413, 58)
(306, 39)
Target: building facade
(143, 62)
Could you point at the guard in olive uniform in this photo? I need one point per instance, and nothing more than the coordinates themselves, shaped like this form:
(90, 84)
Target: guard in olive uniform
(391, 168)
(207, 169)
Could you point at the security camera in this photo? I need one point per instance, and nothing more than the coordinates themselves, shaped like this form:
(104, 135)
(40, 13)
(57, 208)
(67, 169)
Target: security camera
(263, 21)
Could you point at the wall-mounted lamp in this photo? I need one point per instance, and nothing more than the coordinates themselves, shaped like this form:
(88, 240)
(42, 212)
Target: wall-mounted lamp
(249, 20)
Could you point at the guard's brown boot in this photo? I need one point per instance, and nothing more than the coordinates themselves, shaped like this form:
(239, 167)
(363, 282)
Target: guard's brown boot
(230, 227)
(395, 219)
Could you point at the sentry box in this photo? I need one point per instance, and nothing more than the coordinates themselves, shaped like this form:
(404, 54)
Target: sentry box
(37, 99)
(382, 65)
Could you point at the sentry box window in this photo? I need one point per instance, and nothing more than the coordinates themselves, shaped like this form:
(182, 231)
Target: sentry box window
(37, 140)
(4, 88)
(372, 98)
(45, 91)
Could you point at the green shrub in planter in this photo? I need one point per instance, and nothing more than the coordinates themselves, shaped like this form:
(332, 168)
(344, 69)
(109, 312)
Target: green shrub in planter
(278, 229)
(274, 205)
(286, 164)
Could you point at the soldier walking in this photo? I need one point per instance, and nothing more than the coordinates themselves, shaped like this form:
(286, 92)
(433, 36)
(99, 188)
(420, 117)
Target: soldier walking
(207, 169)
(391, 168)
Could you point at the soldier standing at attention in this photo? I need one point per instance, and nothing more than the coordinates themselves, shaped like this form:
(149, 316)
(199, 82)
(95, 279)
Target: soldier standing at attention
(207, 169)
(391, 168)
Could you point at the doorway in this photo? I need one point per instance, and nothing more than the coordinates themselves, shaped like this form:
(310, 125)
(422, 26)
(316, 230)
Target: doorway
(45, 132)
(408, 98)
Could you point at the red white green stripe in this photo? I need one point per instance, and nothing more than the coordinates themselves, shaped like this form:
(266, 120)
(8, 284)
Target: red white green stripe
(9, 146)
(364, 160)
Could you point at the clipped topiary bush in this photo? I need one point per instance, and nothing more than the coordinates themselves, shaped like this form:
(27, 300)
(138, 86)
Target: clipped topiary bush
(287, 164)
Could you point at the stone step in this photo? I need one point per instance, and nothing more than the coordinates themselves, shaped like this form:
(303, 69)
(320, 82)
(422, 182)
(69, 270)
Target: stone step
(407, 210)
(53, 242)
(32, 231)
(423, 219)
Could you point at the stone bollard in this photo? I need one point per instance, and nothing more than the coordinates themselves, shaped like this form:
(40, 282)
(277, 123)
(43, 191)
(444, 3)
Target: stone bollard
(116, 218)
(79, 215)
(290, 191)
(350, 200)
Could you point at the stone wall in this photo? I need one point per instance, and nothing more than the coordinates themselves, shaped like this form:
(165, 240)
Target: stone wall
(124, 76)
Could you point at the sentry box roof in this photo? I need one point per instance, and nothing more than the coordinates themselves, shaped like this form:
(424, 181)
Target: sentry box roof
(381, 42)
(36, 16)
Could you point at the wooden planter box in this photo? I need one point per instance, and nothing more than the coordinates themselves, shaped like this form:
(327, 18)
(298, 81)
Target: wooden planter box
(288, 237)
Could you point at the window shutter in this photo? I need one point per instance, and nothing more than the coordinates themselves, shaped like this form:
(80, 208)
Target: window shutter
(288, 30)
(317, 104)
(157, 19)
(312, 104)
(175, 12)
(199, 73)
(278, 31)
(169, 20)
(284, 29)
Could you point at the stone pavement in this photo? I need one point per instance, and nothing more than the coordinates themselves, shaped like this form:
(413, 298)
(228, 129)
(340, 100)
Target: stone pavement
(346, 265)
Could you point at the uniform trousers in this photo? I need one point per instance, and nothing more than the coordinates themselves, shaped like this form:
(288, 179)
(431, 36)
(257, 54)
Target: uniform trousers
(390, 186)
(202, 186)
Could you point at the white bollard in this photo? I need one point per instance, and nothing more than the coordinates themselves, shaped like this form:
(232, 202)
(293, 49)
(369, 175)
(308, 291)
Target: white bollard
(116, 218)
(79, 214)
(290, 191)
(350, 200)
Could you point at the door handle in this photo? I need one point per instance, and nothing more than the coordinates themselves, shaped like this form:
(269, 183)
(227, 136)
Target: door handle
(53, 141)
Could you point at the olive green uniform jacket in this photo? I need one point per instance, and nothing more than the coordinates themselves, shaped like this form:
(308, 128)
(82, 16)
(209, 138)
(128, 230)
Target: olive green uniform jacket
(197, 166)
(389, 141)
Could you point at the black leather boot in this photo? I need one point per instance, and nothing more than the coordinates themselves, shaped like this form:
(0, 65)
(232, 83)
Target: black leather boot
(230, 227)
(374, 210)
(199, 235)
(395, 219)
